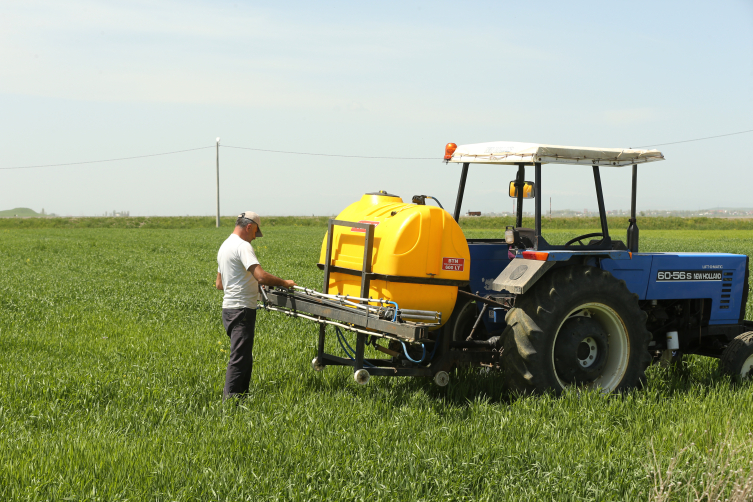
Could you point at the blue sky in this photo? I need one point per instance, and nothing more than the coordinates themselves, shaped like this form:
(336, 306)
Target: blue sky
(88, 80)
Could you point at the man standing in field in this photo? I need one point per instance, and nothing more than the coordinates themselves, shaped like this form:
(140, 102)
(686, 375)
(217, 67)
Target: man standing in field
(239, 276)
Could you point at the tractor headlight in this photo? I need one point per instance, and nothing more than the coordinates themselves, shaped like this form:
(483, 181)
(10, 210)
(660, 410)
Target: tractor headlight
(509, 236)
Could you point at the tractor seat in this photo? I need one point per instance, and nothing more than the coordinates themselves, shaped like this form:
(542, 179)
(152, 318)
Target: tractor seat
(614, 244)
(527, 235)
(619, 246)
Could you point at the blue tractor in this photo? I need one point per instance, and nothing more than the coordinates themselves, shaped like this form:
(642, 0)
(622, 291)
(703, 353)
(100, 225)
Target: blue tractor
(595, 311)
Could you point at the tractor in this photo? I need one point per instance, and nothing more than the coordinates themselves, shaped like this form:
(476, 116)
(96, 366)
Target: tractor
(593, 312)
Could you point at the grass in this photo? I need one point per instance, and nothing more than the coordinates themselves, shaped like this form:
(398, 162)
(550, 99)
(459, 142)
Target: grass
(156, 222)
(112, 360)
(617, 224)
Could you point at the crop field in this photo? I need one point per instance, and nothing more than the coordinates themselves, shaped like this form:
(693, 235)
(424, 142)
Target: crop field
(112, 362)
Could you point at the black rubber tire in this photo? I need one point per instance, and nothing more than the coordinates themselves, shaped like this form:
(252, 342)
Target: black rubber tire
(452, 322)
(737, 354)
(533, 325)
(464, 322)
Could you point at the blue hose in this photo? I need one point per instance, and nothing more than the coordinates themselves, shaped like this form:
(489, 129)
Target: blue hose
(423, 356)
(394, 317)
(436, 344)
(340, 341)
(341, 338)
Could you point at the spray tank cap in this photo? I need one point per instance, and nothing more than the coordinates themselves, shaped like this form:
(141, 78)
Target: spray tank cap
(382, 193)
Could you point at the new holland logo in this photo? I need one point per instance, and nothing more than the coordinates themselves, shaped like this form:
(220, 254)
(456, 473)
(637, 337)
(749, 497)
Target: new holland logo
(687, 275)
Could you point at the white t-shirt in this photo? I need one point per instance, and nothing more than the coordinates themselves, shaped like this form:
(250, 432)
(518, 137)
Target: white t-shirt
(240, 286)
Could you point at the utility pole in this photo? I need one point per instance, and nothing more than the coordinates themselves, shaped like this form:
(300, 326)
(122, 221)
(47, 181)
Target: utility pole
(218, 182)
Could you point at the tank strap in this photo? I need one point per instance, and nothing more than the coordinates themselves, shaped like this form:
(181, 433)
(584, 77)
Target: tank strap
(397, 278)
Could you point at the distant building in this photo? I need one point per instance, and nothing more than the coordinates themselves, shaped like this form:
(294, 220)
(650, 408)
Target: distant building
(474, 213)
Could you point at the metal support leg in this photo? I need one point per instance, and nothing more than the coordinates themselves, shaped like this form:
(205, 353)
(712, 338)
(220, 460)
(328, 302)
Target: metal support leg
(322, 336)
(600, 200)
(328, 258)
(360, 347)
(519, 185)
(461, 190)
(632, 232)
(368, 245)
(537, 202)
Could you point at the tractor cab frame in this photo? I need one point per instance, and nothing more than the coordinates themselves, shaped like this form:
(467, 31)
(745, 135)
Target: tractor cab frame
(530, 154)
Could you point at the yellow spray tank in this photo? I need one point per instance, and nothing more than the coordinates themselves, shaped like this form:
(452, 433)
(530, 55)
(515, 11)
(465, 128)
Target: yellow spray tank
(420, 255)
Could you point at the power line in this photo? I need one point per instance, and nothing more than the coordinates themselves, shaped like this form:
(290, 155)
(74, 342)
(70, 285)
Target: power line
(331, 154)
(110, 160)
(697, 139)
(317, 154)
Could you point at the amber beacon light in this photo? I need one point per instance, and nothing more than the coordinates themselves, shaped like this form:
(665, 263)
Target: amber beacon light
(449, 150)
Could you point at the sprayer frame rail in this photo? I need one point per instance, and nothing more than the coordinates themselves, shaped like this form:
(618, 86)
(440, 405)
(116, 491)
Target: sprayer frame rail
(407, 331)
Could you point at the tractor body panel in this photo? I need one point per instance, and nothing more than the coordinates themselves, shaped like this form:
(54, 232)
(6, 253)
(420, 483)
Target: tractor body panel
(488, 260)
(635, 272)
(717, 277)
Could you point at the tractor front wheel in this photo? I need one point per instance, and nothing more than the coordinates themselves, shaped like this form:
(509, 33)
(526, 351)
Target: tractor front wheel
(737, 358)
(577, 326)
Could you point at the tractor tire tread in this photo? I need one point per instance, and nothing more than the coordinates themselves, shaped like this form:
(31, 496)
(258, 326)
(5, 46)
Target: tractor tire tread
(736, 353)
(541, 310)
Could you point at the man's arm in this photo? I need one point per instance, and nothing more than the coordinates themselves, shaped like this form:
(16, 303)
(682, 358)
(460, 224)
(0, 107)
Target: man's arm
(218, 282)
(268, 279)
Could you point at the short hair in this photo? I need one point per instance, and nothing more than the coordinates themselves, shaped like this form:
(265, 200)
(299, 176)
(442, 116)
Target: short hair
(243, 222)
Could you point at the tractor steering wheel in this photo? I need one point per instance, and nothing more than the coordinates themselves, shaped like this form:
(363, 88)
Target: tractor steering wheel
(580, 238)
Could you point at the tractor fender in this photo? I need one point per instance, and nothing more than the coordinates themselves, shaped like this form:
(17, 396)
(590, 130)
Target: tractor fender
(520, 275)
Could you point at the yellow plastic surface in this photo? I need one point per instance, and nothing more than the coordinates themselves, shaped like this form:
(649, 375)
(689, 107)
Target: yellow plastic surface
(410, 241)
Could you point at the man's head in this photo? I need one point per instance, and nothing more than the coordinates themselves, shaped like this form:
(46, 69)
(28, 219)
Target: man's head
(247, 226)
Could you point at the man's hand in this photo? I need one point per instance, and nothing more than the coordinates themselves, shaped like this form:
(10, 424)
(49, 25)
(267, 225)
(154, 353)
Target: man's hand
(268, 279)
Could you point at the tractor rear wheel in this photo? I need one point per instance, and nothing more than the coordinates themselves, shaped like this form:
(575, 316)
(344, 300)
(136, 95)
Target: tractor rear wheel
(578, 326)
(737, 358)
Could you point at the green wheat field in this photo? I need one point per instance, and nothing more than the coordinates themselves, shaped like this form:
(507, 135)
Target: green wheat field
(112, 362)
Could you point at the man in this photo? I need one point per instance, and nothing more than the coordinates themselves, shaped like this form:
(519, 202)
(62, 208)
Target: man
(239, 276)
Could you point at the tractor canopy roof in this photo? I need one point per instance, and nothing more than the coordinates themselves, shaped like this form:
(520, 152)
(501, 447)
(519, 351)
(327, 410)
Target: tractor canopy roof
(510, 152)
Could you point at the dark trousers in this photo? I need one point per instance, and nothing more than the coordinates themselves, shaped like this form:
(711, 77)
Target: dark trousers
(239, 325)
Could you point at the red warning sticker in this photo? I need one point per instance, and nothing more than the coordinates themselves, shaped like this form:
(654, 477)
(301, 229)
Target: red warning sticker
(454, 264)
(363, 230)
